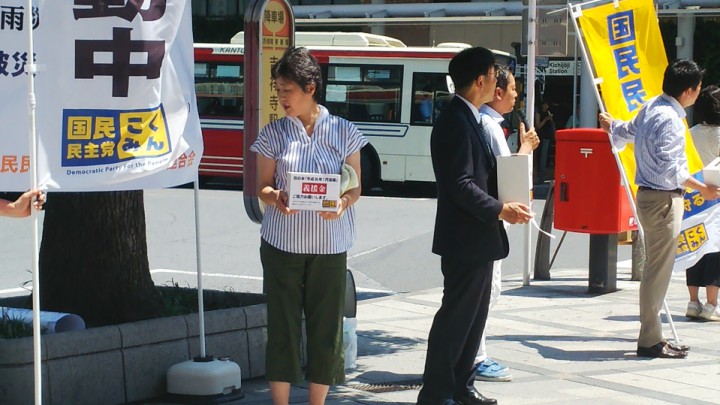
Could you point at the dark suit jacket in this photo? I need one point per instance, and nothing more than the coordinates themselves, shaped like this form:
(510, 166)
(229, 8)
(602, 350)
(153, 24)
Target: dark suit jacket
(466, 224)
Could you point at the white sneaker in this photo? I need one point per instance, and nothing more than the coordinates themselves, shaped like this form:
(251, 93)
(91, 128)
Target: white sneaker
(694, 308)
(710, 312)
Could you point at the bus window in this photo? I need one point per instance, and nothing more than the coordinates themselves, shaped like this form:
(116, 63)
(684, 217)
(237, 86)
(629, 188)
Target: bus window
(430, 95)
(219, 90)
(364, 92)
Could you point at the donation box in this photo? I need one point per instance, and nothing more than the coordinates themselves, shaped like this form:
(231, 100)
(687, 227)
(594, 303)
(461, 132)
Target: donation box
(589, 195)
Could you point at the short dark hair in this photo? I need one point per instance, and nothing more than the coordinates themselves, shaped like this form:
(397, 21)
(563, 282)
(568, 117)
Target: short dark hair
(299, 66)
(466, 66)
(503, 75)
(681, 75)
(707, 106)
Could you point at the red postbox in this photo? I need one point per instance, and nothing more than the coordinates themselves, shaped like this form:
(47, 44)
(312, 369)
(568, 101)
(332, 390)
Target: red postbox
(589, 195)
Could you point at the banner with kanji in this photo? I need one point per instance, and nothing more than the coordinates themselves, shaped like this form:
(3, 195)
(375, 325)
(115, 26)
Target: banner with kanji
(628, 58)
(116, 105)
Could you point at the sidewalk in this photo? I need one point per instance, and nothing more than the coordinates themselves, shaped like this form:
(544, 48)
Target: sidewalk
(563, 346)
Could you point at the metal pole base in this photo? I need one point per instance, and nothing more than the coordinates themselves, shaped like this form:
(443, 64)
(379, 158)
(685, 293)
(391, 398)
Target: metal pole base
(603, 264)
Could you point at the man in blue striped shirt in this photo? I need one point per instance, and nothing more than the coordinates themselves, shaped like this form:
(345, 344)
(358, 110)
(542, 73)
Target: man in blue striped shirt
(662, 175)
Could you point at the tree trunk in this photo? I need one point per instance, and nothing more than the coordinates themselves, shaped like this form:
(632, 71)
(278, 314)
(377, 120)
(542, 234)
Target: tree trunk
(93, 258)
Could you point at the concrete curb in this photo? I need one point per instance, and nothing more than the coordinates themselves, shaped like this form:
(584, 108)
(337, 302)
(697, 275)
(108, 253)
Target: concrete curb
(129, 362)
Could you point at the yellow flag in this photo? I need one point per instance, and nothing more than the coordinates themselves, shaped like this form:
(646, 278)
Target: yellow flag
(628, 56)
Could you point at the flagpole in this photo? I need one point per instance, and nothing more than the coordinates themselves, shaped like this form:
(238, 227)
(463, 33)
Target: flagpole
(575, 11)
(31, 68)
(530, 116)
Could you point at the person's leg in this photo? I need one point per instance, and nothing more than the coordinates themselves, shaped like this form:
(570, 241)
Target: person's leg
(712, 294)
(486, 368)
(694, 290)
(324, 304)
(711, 279)
(481, 277)
(318, 393)
(280, 392)
(494, 297)
(693, 280)
(466, 291)
(283, 278)
(660, 215)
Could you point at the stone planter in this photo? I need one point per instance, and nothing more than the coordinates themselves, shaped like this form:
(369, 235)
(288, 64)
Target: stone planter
(128, 362)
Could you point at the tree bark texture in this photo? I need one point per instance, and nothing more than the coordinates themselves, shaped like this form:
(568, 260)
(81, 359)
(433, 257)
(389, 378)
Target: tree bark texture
(93, 258)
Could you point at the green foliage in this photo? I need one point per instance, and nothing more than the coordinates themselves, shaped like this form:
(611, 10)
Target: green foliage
(184, 300)
(15, 329)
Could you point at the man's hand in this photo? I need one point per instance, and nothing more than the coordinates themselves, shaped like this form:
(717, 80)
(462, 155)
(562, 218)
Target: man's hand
(605, 121)
(516, 213)
(529, 140)
(710, 193)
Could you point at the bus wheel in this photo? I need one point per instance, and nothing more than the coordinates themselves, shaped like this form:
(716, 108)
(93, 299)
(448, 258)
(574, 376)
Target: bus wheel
(367, 172)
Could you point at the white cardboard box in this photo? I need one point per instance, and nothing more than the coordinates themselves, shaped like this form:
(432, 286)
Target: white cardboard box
(313, 191)
(515, 179)
(711, 173)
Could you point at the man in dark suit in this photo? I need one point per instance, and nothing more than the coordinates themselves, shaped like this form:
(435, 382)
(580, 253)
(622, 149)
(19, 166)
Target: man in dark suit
(468, 233)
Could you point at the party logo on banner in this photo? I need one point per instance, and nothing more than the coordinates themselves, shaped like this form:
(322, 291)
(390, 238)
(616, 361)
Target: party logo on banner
(95, 137)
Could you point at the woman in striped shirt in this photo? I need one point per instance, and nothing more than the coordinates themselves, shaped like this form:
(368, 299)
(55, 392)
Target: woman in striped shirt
(304, 253)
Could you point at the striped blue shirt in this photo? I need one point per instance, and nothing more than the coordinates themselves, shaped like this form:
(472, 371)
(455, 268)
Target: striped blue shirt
(285, 141)
(658, 132)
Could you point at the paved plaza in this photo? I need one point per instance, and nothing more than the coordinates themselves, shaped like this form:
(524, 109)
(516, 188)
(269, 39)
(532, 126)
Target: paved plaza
(563, 346)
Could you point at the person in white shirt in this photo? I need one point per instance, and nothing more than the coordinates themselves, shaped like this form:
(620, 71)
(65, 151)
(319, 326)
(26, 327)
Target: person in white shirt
(491, 116)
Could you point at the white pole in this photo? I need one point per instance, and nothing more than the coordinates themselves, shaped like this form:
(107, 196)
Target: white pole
(576, 116)
(575, 11)
(530, 116)
(31, 69)
(201, 302)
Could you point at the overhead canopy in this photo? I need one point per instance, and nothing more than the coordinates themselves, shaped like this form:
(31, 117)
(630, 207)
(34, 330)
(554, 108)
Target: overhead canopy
(477, 10)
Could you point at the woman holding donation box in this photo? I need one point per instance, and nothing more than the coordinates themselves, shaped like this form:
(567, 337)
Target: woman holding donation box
(304, 252)
(706, 137)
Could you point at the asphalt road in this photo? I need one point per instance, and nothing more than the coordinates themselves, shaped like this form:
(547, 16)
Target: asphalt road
(392, 252)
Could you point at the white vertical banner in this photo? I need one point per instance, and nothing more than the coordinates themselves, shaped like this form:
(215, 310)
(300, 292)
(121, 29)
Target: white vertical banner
(115, 97)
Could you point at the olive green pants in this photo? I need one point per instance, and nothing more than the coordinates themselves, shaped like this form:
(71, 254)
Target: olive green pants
(313, 283)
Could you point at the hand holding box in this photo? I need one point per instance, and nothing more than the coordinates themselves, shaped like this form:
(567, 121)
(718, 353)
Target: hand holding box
(313, 191)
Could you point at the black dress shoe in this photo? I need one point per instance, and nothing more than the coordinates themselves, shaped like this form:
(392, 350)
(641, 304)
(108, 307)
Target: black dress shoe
(677, 348)
(473, 397)
(661, 351)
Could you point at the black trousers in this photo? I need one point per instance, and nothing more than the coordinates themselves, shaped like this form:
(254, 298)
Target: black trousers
(457, 328)
(705, 272)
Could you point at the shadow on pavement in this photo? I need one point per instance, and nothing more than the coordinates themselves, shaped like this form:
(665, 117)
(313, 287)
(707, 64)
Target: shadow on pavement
(374, 342)
(389, 378)
(364, 295)
(556, 291)
(551, 352)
